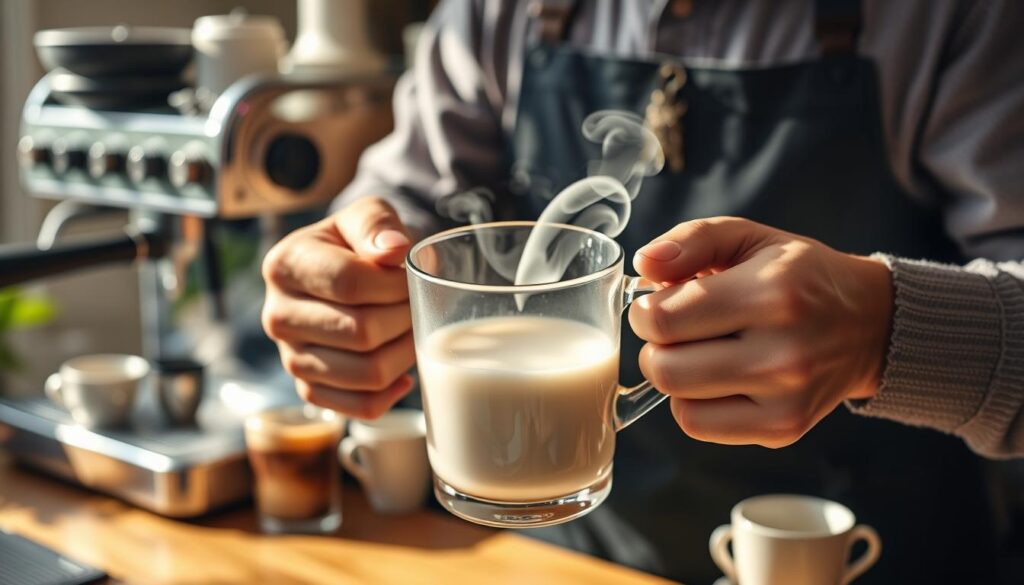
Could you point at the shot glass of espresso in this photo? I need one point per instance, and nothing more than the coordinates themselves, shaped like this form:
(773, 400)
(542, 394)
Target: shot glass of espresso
(293, 455)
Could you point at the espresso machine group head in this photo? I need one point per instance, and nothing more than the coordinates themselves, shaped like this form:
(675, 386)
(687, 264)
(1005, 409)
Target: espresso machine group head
(268, 148)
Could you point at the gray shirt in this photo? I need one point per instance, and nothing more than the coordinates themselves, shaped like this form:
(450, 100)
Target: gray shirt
(952, 96)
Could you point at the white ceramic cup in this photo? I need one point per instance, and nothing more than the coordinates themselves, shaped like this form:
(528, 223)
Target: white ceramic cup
(792, 540)
(389, 458)
(98, 390)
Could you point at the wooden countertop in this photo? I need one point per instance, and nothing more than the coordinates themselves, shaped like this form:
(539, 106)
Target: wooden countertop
(135, 546)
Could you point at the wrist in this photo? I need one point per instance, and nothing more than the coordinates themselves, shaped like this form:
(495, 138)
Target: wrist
(875, 312)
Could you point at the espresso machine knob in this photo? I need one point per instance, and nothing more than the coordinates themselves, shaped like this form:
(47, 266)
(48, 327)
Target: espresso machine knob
(67, 156)
(104, 160)
(292, 161)
(188, 168)
(143, 165)
(32, 153)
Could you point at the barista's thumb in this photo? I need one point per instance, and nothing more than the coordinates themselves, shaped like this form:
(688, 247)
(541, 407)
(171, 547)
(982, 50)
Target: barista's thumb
(372, 229)
(703, 245)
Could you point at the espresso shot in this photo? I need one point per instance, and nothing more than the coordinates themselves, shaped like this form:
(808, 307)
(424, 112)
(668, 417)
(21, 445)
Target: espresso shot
(292, 453)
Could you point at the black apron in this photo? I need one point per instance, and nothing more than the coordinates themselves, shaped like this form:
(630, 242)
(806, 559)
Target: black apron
(798, 147)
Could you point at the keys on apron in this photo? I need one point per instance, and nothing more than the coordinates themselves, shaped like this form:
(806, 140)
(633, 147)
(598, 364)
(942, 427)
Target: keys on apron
(664, 115)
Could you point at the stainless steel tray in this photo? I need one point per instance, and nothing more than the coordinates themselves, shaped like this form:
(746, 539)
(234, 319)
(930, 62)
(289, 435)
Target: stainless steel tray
(178, 472)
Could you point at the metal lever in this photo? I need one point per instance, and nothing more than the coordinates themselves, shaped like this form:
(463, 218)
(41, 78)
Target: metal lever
(20, 263)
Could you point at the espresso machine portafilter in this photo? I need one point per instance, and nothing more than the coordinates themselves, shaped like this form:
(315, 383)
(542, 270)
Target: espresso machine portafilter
(205, 194)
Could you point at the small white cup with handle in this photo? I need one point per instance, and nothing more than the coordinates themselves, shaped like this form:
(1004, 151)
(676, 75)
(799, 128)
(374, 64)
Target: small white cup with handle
(98, 389)
(389, 458)
(792, 540)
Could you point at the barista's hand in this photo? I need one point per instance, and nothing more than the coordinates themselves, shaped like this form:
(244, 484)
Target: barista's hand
(776, 331)
(337, 306)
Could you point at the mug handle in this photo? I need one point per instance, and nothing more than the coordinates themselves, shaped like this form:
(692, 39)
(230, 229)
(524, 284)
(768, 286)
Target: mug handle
(719, 547)
(632, 403)
(52, 388)
(858, 567)
(350, 458)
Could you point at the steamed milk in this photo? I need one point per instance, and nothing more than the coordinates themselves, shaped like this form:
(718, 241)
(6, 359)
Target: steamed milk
(518, 408)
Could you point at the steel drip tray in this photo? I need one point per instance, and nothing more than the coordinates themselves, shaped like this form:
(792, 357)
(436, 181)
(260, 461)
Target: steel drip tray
(180, 472)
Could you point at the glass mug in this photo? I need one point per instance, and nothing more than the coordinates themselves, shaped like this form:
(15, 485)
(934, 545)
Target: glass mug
(519, 383)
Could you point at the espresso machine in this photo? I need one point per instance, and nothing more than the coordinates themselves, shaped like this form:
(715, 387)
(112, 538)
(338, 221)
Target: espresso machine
(207, 191)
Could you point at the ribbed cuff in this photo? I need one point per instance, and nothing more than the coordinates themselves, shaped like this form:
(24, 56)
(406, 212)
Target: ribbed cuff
(945, 348)
(997, 429)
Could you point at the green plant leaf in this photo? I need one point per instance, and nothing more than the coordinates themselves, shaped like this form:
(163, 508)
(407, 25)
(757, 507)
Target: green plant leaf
(8, 297)
(18, 310)
(31, 311)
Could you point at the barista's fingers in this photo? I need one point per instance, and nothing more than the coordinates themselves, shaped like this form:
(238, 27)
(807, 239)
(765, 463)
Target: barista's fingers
(358, 404)
(372, 228)
(370, 371)
(299, 320)
(700, 245)
(738, 420)
(704, 308)
(308, 265)
(711, 369)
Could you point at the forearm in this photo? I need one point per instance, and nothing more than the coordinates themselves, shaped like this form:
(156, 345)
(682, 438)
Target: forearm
(956, 355)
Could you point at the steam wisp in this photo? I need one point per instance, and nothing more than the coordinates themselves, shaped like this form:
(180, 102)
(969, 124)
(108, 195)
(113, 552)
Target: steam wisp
(600, 202)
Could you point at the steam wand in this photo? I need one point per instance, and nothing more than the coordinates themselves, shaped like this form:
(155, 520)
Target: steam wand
(21, 263)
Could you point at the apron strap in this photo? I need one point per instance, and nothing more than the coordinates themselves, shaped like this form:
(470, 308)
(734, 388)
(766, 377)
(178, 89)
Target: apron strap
(553, 17)
(837, 24)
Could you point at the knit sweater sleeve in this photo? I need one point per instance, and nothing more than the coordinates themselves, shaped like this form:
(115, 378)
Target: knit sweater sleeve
(956, 354)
